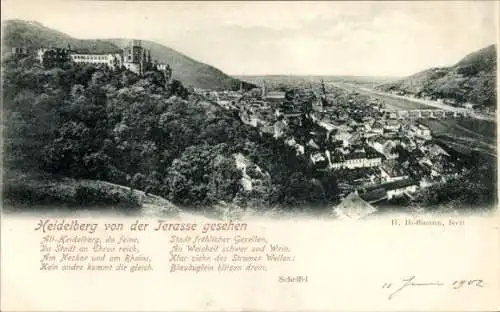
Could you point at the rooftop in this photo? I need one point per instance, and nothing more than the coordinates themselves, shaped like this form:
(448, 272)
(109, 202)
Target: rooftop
(354, 207)
(390, 185)
(393, 168)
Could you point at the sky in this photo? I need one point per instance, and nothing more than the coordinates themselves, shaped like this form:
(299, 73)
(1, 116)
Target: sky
(299, 38)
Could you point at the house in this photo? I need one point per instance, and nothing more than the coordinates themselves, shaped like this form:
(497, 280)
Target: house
(408, 143)
(267, 128)
(313, 144)
(469, 106)
(21, 51)
(400, 187)
(391, 190)
(383, 146)
(319, 160)
(279, 129)
(421, 131)
(434, 150)
(391, 170)
(275, 96)
(392, 125)
(373, 195)
(290, 142)
(353, 207)
(355, 159)
(393, 115)
(425, 182)
(299, 149)
(377, 127)
(344, 137)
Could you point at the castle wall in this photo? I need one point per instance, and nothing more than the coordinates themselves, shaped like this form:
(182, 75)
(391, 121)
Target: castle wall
(133, 67)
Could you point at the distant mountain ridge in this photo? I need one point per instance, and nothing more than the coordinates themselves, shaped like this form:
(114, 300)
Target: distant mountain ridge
(472, 79)
(189, 71)
(32, 34)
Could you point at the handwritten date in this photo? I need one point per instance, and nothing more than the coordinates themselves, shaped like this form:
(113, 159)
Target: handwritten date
(411, 282)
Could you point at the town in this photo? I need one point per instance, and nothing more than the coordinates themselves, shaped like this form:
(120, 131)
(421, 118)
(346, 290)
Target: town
(384, 155)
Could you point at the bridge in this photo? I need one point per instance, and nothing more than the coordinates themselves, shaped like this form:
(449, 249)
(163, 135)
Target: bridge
(431, 113)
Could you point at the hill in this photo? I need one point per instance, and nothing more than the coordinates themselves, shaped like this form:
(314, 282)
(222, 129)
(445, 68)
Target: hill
(472, 79)
(30, 34)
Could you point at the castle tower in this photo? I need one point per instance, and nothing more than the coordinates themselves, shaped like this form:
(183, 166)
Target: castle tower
(144, 62)
(137, 43)
(168, 74)
(264, 92)
(133, 56)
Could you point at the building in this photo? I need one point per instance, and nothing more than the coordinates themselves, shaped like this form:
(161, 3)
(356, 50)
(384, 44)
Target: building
(392, 125)
(376, 127)
(40, 53)
(166, 69)
(384, 146)
(353, 207)
(357, 159)
(21, 51)
(399, 188)
(50, 57)
(390, 190)
(343, 137)
(421, 131)
(136, 58)
(391, 171)
(279, 129)
(113, 60)
(275, 96)
(319, 160)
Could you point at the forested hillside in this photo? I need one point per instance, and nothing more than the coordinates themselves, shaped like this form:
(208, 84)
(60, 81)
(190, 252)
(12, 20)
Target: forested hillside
(473, 80)
(19, 33)
(84, 122)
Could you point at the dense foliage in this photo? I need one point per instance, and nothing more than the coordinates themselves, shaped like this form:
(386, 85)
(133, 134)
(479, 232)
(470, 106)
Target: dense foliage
(88, 122)
(475, 188)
